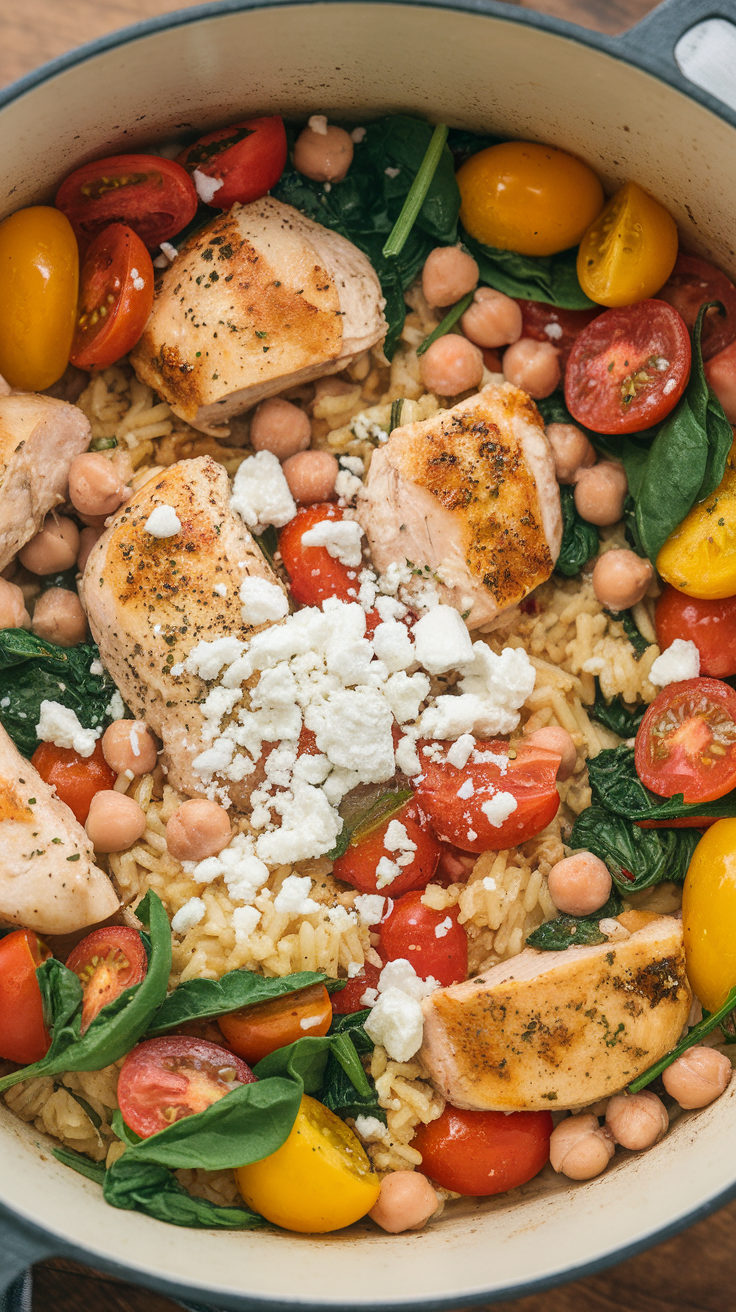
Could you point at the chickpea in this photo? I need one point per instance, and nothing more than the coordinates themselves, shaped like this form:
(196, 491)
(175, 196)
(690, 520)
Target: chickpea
(532, 366)
(621, 578)
(571, 451)
(311, 476)
(58, 617)
(13, 613)
(324, 156)
(447, 275)
(197, 829)
(128, 745)
(579, 884)
(579, 1148)
(698, 1077)
(54, 548)
(406, 1202)
(114, 821)
(95, 485)
(600, 493)
(280, 427)
(555, 739)
(87, 539)
(637, 1120)
(493, 319)
(451, 365)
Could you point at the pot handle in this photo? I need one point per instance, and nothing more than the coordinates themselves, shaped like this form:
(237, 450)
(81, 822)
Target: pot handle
(688, 42)
(20, 1247)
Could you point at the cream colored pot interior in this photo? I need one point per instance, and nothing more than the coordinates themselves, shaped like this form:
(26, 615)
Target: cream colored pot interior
(357, 61)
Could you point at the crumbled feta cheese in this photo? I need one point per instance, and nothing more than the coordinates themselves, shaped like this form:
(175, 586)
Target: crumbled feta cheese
(681, 660)
(400, 974)
(459, 754)
(347, 486)
(60, 726)
(370, 1129)
(354, 464)
(163, 522)
(341, 537)
(396, 1022)
(293, 897)
(220, 589)
(466, 790)
(444, 927)
(309, 827)
(262, 601)
(5, 702)
(407, 760)
(405, 693)
(367, 589)
(97, 667)
(395, 575)
(369, 998)
(386, 872)
(498, 808)
(245, 920)
(393, 646)
(357, 135)
(369, 907)
(391, 172)
(489, 884)
(442, 641)
(205, 186)
(396, 839)
(354, 969)
(669, 386)
(207, 659)
(169, 251)
(353, 727)
(553, 331)
(189, 915)
(115, 707)
(261, 493)
(318, 123)
(389, 608)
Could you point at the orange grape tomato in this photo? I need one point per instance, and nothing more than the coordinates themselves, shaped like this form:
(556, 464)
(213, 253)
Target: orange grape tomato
(39, 276)
(76, 778)
(253, 1032)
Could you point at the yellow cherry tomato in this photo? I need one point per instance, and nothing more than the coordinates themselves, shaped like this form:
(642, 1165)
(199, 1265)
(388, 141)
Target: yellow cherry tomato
(709, 915)
(699, 557)
(522, 196)
(320, 1179)
(629, 251)
(39, 277)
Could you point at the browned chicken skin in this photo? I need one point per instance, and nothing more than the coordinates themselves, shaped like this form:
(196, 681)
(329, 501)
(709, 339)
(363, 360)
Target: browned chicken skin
(150, 600)
(471, 498)
(559, 1029)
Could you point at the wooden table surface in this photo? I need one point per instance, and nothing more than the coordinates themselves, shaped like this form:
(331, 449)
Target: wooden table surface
(692, 1271)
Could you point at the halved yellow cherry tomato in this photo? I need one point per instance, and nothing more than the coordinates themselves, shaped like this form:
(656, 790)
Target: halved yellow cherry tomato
(699, 558)
(709, 915)
(629, 250)
(526, 197)
(39, 277)
(320, 1179)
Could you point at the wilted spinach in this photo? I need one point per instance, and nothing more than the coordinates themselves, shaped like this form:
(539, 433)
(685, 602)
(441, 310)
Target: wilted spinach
(549, 278)
(32, 671)
(463, 143)
(637, 858)
(635, 637)
(361, 823)
(338, 1091)
(198, 999)
(616, 715)
(579, 538)
(574, 931)
(616, 787)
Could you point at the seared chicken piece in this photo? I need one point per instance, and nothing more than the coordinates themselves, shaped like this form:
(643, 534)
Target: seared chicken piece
(39, 438)
(48, 878)
(470, 498)
(559, 1029)
(150, 600)
(259, 300)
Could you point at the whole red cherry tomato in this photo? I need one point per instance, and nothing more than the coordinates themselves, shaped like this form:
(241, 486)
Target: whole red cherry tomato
(432, 941)
(360, 864)
(313, 573)
(348, 1000)
(482, 1153)
(548, 323)
(711, 625)
(693, 282)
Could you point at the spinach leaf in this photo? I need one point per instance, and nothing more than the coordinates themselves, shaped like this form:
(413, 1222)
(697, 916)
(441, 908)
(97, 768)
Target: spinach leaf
(196, 999)
(637, 858)
(549, 278)
(362, 823)
(579, 538)
(616, 715)
(616, 787)
(574, 931)
(146, 1187)
(268, 541)
(32, 671)
(687, 459)
(84, 1165)
(637, 639)
(365, 205)
(463, 143)
(339, 1092)
(330, 1068)
(693, 1036)
(118, 1026)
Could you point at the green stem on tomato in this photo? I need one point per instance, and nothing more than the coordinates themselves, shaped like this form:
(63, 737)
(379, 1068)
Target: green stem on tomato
(693, 1036)
(453, 314)
(420, 186)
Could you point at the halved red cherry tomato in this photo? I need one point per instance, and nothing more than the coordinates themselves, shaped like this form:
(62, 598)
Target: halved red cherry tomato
(115, 298)
(711, 625)
(107, 961)
(482, 1153)
(432, 941)
(154, 196)
(255, 1031)
(686, 742)
(560, 328)
(693, 282)
(163, 1080)
(348, 1000)
(455, 799)
(247, 158)
(628, 368)
(359, 865)
(23, 1035)
(313, 573)
(76, 778)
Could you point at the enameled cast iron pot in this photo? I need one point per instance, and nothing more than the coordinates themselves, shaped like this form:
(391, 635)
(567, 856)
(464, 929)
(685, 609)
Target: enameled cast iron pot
(640, 106)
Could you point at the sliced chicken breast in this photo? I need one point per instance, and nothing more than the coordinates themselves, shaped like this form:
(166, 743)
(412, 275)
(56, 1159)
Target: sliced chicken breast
(150, 600)
(259, 300)
(559, 1029)
(470, 498)
(39, 438)
(48, 878)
